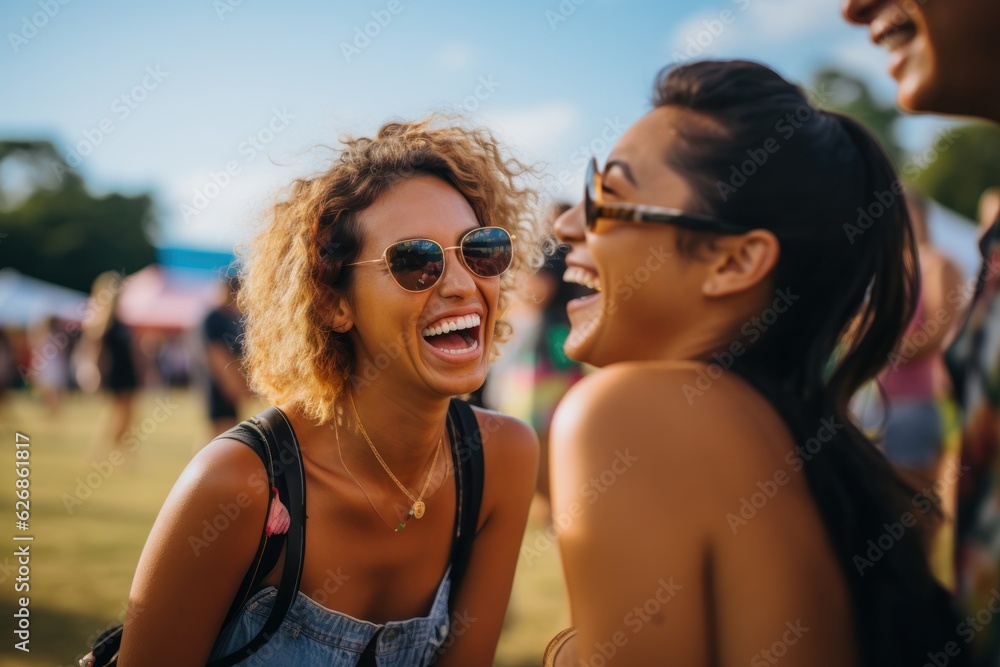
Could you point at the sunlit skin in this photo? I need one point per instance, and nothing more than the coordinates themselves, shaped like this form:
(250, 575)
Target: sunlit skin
(667, 518)
(355, 563)
(943, 54)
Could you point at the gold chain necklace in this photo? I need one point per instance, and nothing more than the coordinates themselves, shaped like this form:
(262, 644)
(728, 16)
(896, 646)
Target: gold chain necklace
(402, 524)
(418, 508)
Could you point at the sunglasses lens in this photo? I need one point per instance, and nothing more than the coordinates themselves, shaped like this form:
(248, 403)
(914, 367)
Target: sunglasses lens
(416, 265)
(590, 194)
(488, 252)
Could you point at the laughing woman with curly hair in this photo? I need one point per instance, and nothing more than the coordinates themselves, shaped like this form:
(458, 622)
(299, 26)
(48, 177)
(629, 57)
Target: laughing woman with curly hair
(373, 297)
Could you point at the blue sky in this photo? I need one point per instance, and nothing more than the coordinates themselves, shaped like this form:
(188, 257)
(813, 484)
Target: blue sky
(213, 105)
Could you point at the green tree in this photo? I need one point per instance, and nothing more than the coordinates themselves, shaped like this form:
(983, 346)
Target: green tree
(967, 163)
(837, 91)
(955, 171)
(60, 232)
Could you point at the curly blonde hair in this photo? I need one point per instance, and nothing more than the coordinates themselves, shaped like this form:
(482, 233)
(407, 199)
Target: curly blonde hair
(293, 270)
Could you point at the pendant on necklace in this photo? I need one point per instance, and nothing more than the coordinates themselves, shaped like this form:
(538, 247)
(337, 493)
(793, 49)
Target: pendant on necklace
(418, 508)
(402, 524)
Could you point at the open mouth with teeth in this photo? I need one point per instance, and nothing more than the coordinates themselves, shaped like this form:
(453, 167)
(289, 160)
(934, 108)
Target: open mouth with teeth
(896, 34)
(588, 281)
(454, 335)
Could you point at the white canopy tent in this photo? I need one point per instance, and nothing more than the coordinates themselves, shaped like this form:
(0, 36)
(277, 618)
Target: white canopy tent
(25, 301)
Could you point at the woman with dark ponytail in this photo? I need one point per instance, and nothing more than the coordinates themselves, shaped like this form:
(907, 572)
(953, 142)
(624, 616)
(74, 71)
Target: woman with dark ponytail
(755, 266)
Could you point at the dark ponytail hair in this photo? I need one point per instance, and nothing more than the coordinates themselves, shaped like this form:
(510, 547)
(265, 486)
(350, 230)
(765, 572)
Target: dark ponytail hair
(758, 152)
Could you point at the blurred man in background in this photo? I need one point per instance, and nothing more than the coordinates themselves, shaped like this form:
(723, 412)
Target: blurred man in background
(227, 387)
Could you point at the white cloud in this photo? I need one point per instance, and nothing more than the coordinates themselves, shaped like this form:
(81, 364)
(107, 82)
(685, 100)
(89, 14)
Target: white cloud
(204, 213)
(537, 131)
(786, 20)
(748, 26)
(454, 56)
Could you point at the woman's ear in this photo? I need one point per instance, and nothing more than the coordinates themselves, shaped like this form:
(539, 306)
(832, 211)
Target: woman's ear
(339, 316)
(740, 263)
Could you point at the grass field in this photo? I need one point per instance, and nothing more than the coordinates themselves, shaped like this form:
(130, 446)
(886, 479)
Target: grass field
(90, 518)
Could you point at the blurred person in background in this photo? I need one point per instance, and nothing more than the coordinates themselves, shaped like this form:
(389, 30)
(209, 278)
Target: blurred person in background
(989, 209)
(943, 55)
(105, 355)
(534, 373)
(714, 512)
(223, 335)
(373, 298)
(49, 362)
(8, 367)
(920, 424)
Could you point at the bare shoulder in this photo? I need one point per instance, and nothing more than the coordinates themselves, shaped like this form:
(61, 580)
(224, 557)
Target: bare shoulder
(225, 467)
(677, 403)
(200, 547)
(508, 434)
(219, 501)
(640, 484)
(685, 435)
(510, 453)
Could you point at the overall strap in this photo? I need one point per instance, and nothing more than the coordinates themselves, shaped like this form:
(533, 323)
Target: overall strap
(270, 546)
(285, 472)
(470, 473)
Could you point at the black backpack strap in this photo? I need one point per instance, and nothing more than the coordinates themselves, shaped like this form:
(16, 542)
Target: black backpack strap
(470, 471)
(270, 546)
(289, 477)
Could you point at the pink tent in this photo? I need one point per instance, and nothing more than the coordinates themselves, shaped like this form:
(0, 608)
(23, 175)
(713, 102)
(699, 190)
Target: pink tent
(167, 300)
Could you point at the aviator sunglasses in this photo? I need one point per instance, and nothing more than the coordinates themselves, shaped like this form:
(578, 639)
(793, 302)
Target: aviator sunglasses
(596, 210)
(417, 264)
